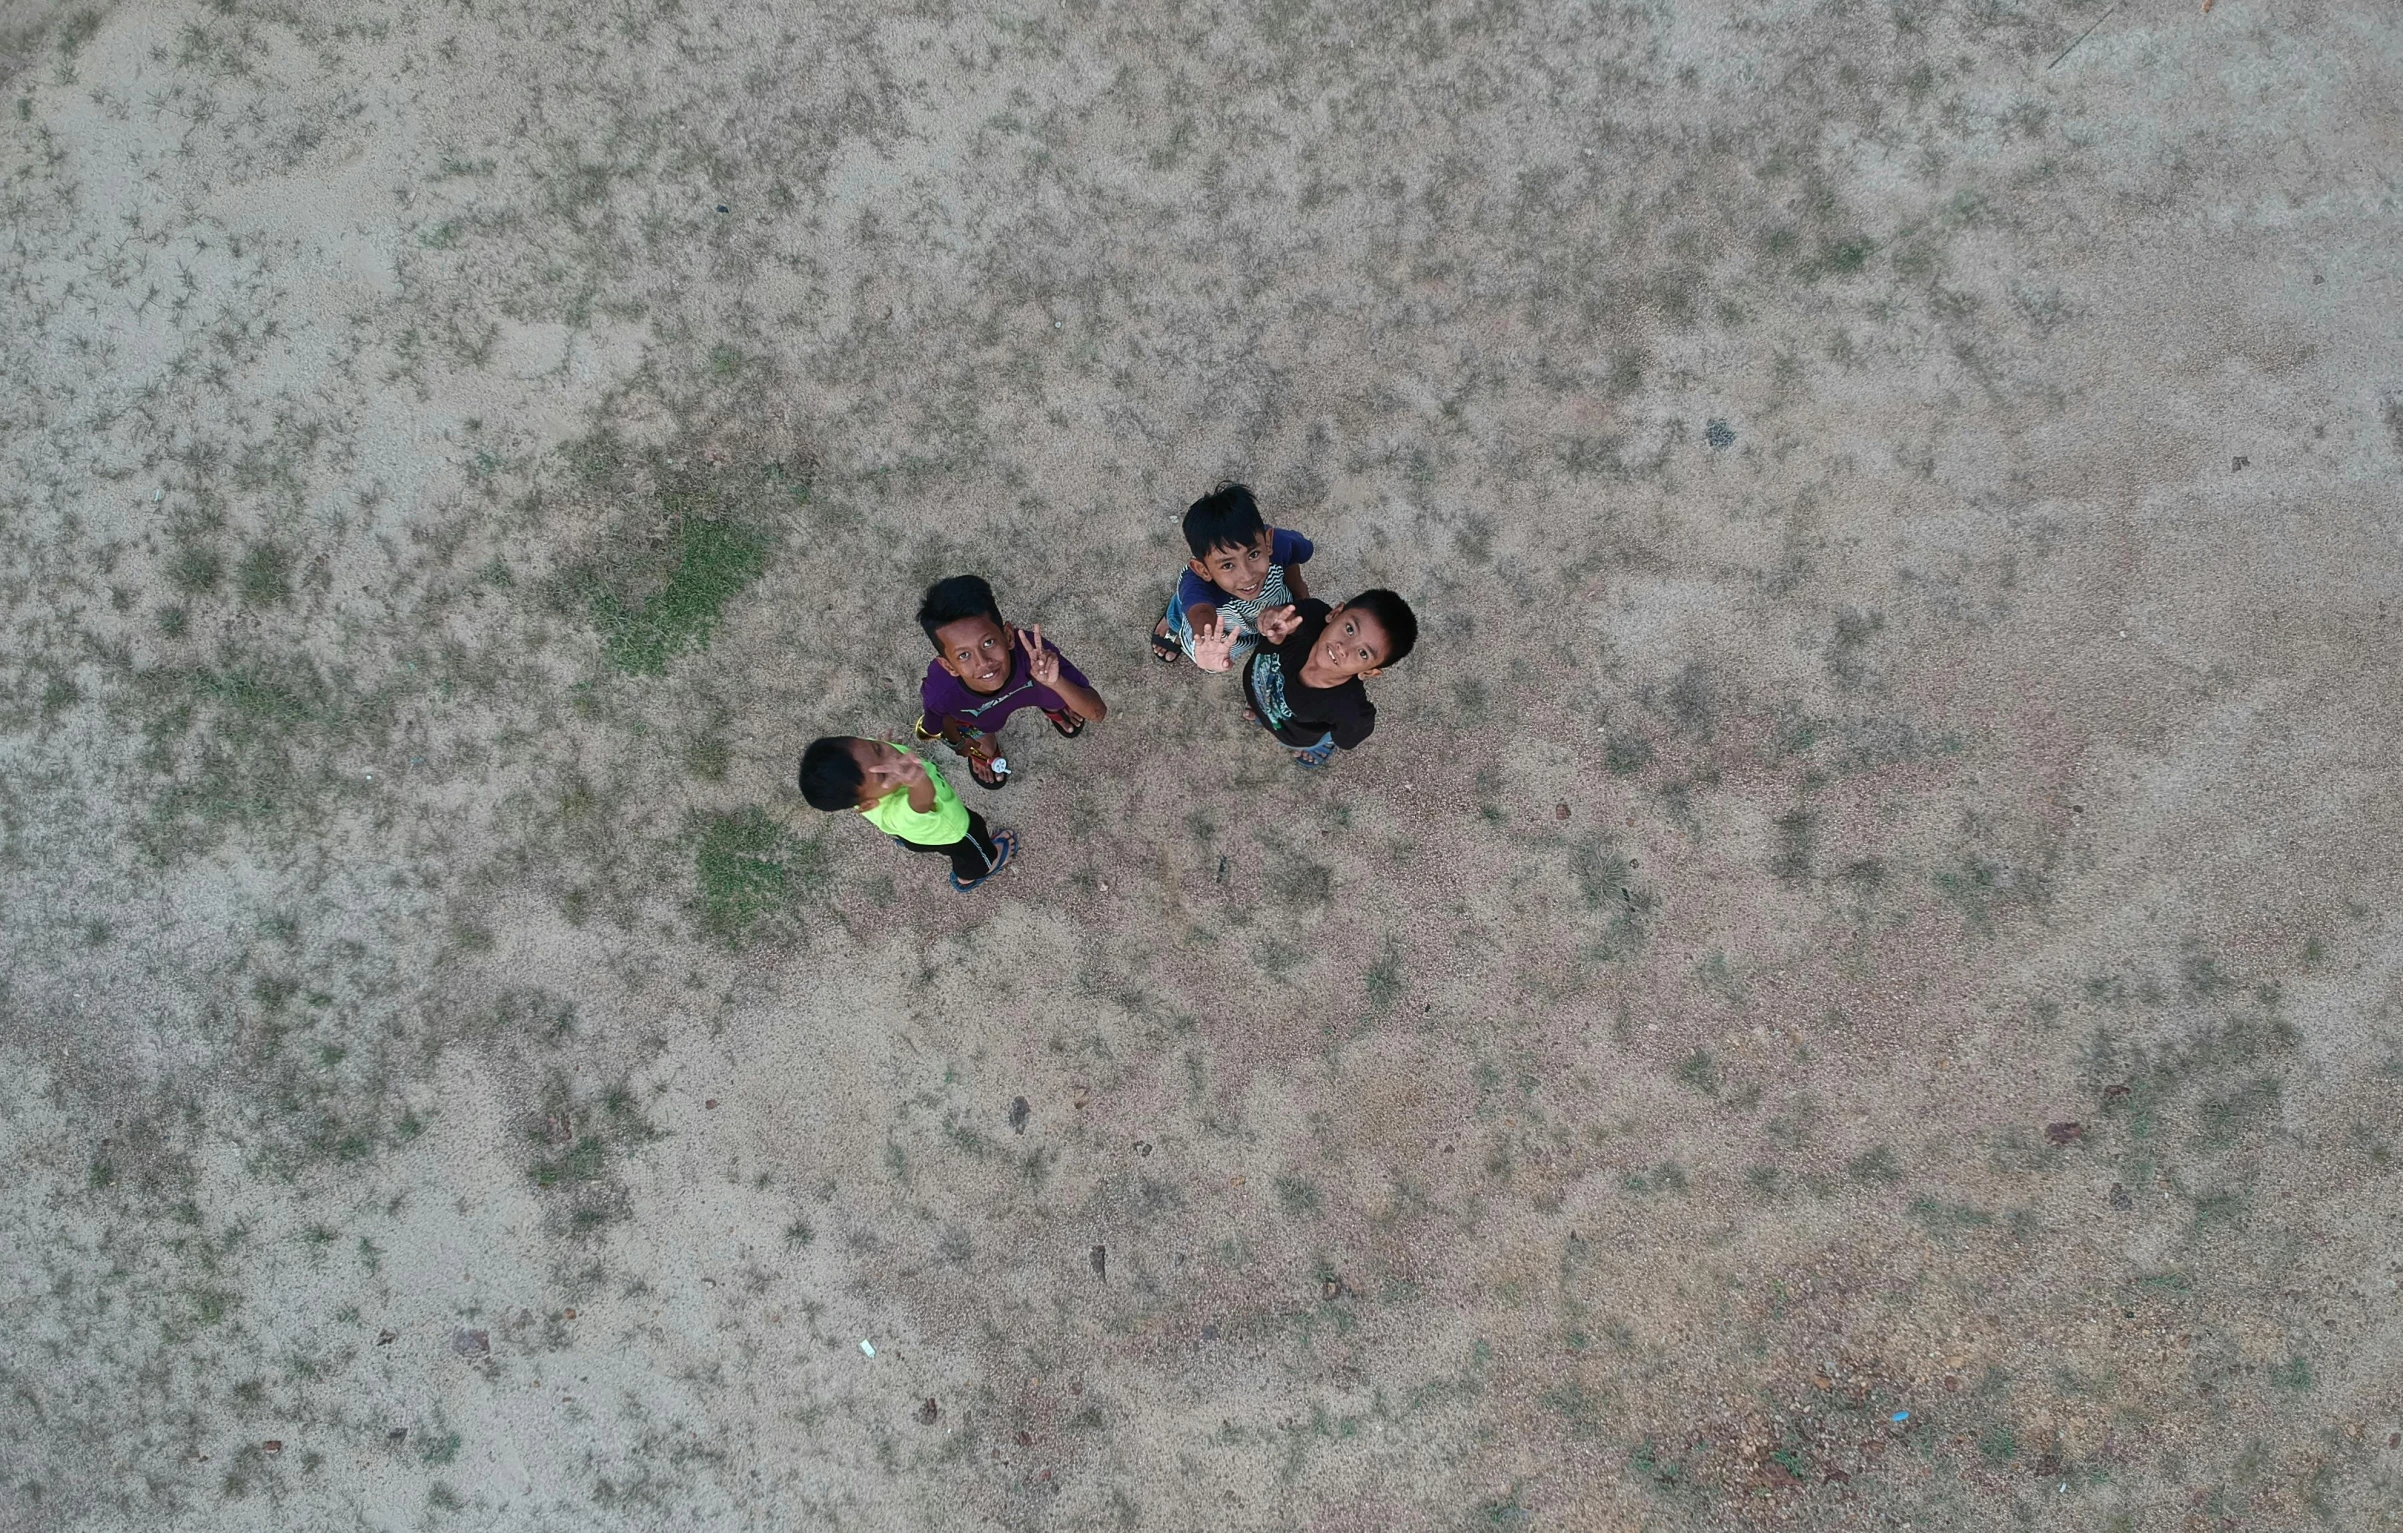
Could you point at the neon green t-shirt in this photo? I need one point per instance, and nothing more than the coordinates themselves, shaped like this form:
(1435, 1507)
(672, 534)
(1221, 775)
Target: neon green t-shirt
(939, 826)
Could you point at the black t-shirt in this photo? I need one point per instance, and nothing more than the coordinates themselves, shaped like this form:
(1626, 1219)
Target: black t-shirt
(1300, 714)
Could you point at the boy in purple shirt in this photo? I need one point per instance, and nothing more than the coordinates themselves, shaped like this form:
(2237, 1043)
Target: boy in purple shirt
(1240, 568)
(984, 671)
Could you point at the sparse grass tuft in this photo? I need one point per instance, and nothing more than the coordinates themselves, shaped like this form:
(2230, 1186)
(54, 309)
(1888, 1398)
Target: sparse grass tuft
(1878, 1167)
(195, 569)
(265, 576)
(1296, 1196)
(1699, 1072)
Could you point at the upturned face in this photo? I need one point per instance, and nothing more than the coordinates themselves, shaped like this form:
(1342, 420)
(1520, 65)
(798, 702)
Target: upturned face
(882, 768)
(1240, 572)
(976, 650)
(1354, 643)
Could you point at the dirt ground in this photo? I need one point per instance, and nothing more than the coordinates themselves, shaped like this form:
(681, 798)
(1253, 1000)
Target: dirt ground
(1858, 983)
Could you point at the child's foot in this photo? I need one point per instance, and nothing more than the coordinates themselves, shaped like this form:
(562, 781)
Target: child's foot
(1066, 722)
(1315, 757)
(1164, 647)
(1004, 843)
(993, 774)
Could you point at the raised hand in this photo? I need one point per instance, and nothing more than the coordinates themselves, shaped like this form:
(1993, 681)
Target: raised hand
(1214, 645)
(1278, 623)
(1042, 665)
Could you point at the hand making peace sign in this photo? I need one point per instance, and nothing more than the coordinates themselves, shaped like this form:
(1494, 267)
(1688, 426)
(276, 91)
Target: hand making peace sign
(1042, 665)
(1278, 623)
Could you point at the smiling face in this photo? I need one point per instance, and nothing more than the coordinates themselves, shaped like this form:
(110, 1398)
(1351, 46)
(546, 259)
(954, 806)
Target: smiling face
(976, 650)
(1241, 572)
(1353, 644)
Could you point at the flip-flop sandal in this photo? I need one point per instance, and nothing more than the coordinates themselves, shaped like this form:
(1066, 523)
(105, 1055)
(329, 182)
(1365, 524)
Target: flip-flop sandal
(992, 776)
(1165, 649)
(1315, 757)
(1003, 842)
(1069, 730)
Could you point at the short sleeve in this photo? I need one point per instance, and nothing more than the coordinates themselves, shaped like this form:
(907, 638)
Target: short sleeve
(1068, 670)
(933, 696)
(1288, 547)
(1193, 591)
(1356, 726)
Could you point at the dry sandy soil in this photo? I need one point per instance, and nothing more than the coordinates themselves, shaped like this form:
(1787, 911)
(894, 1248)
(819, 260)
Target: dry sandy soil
(1858, 983)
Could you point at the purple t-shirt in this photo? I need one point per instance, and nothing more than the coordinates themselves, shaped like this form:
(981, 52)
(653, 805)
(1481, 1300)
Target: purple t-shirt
(948, 701)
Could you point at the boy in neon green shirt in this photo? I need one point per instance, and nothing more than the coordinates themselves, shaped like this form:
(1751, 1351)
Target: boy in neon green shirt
(906, 799)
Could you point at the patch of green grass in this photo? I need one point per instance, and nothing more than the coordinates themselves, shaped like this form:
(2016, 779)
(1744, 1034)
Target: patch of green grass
(713, 562)
(2294, 1374)
(694, 536)
(748, 867)
(1999, 1444)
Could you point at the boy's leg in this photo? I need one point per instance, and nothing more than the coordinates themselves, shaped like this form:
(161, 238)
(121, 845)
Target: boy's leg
(975, 854)
(1172, 636)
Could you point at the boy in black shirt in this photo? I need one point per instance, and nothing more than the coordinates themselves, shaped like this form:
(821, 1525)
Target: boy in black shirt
(1304, 682)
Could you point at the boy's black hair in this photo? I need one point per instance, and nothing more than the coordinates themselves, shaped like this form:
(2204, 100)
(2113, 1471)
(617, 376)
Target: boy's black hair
(955, 597)
(1394, 616)
(1227, 517)
(830, 774)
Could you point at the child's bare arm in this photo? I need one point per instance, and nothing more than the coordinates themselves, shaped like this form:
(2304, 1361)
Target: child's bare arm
(1295, 583)
(921, 787)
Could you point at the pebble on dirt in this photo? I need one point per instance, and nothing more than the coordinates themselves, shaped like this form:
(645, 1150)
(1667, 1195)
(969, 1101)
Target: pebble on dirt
(1019, 1113)
(1101, 1262)
(928, 1412)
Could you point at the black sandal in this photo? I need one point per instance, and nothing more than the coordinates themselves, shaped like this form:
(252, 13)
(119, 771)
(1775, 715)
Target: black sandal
(1067, 730)
(981, 772)
(1165, 649)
